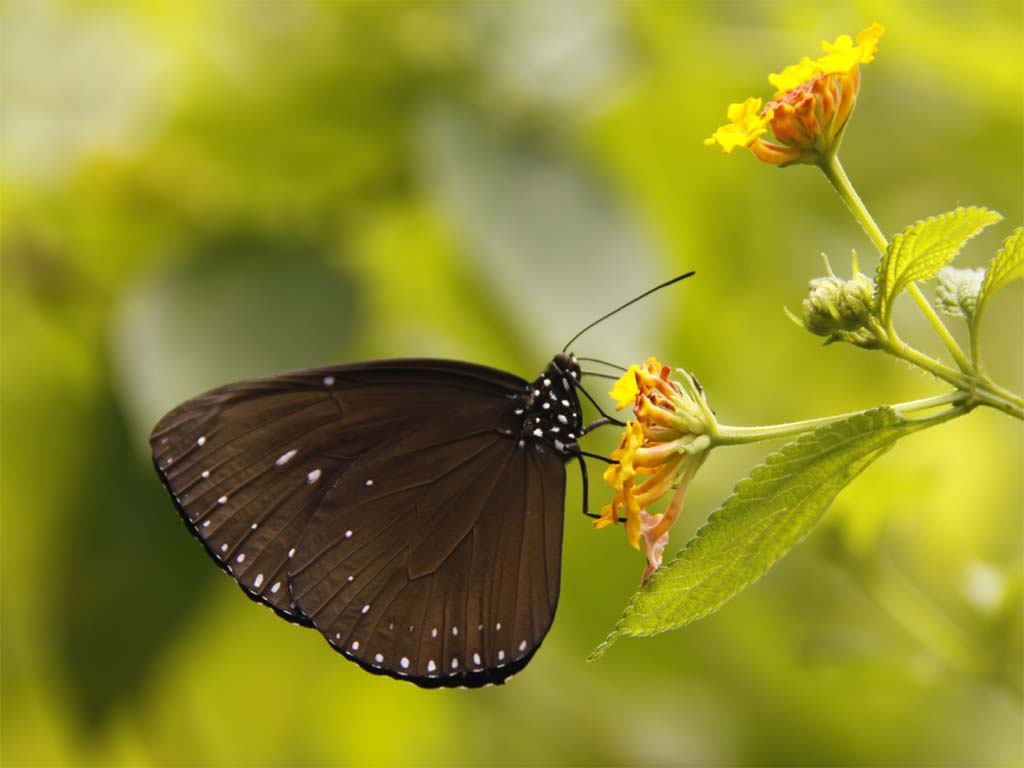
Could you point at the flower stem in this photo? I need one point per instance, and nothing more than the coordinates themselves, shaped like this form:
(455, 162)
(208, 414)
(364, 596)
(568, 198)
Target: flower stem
(837, 177)
(725, 435)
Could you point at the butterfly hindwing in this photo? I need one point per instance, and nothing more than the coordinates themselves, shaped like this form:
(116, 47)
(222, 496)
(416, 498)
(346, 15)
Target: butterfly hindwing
(443, 569)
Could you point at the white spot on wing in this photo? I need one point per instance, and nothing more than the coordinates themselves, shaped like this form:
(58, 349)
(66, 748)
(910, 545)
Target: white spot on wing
(433, 632)
(205, 474)
(206, 523)
(366, 608)
(355, 645)
(497, 627)
(201, 441)
(522, 646)
(277, 586)
(222, 500)
(431, 666)
(379, 658)
(455, 631)
(404, 662)
(476, 659)
(291, 553)
(369, 483)
(223, 547)
(348, 534)
(312, 477)
(258, 580)
(328, 381)
(284, 458)
(240, 558)
(501, 655)
(455, 662)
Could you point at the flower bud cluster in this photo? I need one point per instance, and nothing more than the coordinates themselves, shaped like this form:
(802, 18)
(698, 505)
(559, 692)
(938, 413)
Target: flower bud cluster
(841, 310)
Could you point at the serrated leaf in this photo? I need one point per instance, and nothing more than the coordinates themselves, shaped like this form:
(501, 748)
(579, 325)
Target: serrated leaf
(1006, 266)
(767, 515)
(922, 249)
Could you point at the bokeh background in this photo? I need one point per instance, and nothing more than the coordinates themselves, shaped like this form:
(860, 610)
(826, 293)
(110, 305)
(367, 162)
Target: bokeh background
(196, 192)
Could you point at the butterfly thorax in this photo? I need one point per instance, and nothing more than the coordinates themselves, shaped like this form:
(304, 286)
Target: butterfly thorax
(549, 408)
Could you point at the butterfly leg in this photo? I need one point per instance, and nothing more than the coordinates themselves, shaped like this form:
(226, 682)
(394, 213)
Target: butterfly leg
(574, 449)
(610, 419)
(586, 486)
(594, 425)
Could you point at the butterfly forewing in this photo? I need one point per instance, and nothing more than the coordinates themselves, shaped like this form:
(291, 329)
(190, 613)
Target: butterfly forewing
(263, 453)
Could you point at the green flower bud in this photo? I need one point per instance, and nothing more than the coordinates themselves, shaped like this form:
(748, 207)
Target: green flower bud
(820, 310)
(855, 300)
(841, 309)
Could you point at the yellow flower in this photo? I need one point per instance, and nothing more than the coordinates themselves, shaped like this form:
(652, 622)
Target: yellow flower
(659, 451)
(746, 123)
(812, 103)
(622, 477)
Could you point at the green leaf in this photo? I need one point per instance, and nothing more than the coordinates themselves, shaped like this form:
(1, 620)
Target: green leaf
(1006, 266)
(767, 515)
(921, 250)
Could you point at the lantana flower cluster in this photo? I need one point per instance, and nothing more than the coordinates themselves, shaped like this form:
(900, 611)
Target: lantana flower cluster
(659, 452)
(813, 101)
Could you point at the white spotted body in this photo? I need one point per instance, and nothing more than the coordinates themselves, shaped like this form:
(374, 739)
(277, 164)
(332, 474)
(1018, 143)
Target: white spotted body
(550, 409)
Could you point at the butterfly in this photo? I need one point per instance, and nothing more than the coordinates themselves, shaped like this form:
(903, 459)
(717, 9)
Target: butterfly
(411, 511)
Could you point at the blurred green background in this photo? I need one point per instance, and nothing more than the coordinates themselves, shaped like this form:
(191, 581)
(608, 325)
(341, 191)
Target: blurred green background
(194, 193)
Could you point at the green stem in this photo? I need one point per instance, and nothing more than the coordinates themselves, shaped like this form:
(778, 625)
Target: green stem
(981, 389)
(987, 393)
(837, 177)
(899, 348)
(725, 435)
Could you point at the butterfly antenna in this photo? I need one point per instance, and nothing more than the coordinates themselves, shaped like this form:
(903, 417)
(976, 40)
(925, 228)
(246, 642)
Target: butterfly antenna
(632, 301)
(601, 362)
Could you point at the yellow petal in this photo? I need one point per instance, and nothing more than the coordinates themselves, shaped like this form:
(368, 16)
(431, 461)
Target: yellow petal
(746, 124)
(794, 76)
(625, 389)
(868, 40)
(842, 55)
